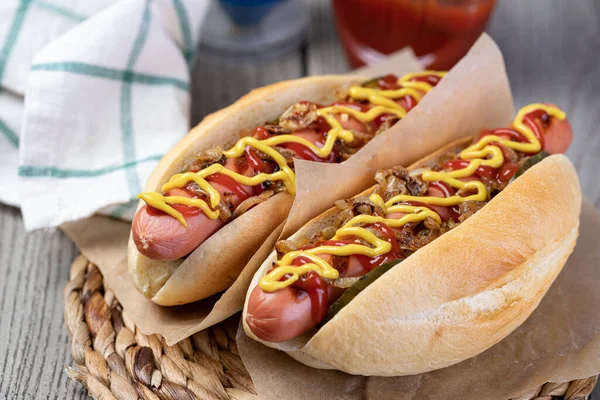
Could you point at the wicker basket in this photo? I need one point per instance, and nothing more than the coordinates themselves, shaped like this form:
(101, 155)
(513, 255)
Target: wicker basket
(115, 361)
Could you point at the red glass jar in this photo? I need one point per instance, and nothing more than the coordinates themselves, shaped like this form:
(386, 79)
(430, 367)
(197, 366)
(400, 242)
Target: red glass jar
(439, 31)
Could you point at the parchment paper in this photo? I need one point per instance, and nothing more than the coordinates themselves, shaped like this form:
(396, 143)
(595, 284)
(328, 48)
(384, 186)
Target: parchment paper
(558, 343)
(103, 241)
(459, 106)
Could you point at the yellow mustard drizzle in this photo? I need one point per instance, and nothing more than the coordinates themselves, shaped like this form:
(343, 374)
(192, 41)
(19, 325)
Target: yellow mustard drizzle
(480, 153)
(382, 99)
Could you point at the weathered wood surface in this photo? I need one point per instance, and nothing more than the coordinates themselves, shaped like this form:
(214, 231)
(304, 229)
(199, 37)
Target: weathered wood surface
(551, 50)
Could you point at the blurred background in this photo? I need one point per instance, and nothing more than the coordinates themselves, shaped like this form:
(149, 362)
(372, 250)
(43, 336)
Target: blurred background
(550, 49)
(273, 40)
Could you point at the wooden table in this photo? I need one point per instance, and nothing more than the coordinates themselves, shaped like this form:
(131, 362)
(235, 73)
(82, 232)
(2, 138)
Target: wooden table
(551, 50)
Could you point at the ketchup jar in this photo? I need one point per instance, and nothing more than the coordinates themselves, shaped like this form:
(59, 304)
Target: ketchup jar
(440, 32)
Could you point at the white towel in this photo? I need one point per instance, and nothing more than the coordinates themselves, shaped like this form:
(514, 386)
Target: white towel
(105, 97)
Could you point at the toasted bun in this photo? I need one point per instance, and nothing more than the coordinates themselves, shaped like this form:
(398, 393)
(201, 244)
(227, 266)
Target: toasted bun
(215, 264)
(460, 294)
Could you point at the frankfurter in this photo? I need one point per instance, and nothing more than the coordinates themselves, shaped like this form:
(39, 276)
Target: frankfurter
(478, 231)
(216, 196)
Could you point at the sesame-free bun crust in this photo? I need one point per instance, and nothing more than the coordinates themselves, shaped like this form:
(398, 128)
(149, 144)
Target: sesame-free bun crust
(217, 262)
(460, 294)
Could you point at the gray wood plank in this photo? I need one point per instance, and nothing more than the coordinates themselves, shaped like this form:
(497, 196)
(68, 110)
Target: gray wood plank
(219, 81)
(324, 53)
(551, 51)
(34, 343)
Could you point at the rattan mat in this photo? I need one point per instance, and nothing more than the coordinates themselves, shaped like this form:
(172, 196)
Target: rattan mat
(114, 360)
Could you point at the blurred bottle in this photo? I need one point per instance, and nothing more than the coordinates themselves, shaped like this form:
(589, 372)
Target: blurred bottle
(439, 31)
(249, 27)
(248, 13)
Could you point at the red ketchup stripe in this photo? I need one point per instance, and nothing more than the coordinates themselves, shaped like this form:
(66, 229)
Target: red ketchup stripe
(483, 170)
(509, 133)
(261, 133)
(315, 287)
(388, 82)
(410, 103)
(317, 290)
(322, 125)
(507, 171)
(388, 235)
(255, 161)
(446, 189)
(305, 153)
(536, 128)
(430, 79)
(186, 211)
(230, 183)
(369, 264)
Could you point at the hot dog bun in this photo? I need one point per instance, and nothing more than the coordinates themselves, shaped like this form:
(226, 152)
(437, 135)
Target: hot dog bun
(458, 295)
(215, 264)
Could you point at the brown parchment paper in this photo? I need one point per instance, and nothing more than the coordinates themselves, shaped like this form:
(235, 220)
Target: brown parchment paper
(460, 105)
(104, 242)
(558, 343)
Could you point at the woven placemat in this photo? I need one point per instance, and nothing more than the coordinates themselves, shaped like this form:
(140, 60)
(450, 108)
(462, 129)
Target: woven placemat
(114, 360)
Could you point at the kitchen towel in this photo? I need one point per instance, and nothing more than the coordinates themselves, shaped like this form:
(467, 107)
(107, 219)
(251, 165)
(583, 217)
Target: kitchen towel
(106, 93)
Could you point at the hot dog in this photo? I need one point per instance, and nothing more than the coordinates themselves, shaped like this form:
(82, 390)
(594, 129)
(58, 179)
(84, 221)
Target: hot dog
(211, 181)
(479, 230)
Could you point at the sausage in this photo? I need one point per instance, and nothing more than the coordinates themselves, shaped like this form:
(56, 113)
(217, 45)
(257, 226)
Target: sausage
(281, 315)
(318, 139)
(304, 152)
(287, 313)
(557, 134)
(351, 123)
(159, 236)
(445, 213)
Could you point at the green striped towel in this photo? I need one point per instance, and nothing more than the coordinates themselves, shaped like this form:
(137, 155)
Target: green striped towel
(106, 89)
(26, 27)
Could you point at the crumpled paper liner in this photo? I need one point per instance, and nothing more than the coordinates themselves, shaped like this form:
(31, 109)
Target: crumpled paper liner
(459, 106)
(558, 343)
(104, 242)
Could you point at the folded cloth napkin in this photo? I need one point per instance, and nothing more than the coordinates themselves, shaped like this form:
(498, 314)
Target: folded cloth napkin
(25, 28)
(105, 97)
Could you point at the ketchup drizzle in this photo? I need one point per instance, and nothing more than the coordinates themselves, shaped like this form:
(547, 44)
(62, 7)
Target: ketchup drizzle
(231, 184)
(316, 288)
